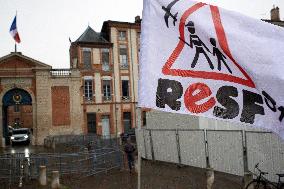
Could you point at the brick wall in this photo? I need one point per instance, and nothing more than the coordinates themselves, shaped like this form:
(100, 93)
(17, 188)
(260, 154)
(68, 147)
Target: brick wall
(60, 105)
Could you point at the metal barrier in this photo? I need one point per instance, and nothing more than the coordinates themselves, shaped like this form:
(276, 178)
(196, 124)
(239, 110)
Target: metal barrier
(79, 163)
(229, 151)
(83, 155)
(11, 167)
(79, 142)
(15, 167)
(70, 139)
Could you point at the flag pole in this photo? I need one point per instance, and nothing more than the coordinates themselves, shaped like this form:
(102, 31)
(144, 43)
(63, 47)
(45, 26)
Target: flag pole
(15, 81)
(16, 42)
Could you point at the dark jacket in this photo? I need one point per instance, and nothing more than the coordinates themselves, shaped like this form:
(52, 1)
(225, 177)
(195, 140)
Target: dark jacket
(129, 148)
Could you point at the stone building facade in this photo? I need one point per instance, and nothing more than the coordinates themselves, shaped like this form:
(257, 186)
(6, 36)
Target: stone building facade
(98, 94)
(48, 100)
(108, 63)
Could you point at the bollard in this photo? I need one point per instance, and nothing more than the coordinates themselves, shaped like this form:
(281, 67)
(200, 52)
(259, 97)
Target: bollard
(42, 175)
(209, 177)
(55, 180)
(248, 177)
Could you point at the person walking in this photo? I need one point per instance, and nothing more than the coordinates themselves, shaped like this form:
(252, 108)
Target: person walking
(129, 149)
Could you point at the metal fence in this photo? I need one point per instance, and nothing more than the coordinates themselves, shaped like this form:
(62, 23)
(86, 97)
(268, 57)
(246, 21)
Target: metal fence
(80, 163)
(11, 166)
(15, 167)
(78, 142)
(82, 155)
(228, 151)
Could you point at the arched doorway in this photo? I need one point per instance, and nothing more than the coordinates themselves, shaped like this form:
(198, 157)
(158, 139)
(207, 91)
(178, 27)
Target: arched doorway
(15, 104)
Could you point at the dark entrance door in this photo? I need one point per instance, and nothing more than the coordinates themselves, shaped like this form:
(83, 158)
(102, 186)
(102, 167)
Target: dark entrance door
(13, 97)
(127, 122)
(91, 119)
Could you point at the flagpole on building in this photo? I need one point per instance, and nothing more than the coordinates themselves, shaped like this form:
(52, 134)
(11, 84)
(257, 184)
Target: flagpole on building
(15, 72)
(16, 42)
(15, 81)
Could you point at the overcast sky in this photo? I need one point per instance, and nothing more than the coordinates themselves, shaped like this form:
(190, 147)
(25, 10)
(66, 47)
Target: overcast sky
(46, 25)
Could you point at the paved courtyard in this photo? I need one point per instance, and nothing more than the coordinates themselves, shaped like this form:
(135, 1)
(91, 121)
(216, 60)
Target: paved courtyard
(155, 175)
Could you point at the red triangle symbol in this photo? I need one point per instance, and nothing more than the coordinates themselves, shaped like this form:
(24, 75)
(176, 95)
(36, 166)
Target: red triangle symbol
(222, 39)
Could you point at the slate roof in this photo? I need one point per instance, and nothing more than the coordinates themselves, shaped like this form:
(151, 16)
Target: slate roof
(90, 36)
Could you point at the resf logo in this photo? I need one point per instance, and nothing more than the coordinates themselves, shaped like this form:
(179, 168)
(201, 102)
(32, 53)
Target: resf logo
(169, 91)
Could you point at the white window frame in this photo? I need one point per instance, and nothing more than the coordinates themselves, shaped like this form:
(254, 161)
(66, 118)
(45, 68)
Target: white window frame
(123, 58)
(88, 89)
(106, 91)
(121, 37)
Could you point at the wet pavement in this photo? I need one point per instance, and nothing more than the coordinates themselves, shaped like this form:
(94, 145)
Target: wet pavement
(26, 149)
(154, 175)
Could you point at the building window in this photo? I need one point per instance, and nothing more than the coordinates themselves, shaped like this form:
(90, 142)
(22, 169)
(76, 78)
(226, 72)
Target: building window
(144, 120)
(105, 59)
(127, 122)
(16, 108)
(123, 56)
(87, 58)
(88, 89)
(107, 90)
(125, 90)
(122, 35)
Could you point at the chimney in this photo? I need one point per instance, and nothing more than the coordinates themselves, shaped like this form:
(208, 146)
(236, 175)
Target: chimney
(137, 19)
(275, 15)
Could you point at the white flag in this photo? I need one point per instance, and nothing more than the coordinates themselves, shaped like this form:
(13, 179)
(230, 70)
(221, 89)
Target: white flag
(202, 60)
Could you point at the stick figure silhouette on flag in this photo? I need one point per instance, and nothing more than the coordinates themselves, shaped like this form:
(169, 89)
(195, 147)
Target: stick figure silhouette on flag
(199, 45)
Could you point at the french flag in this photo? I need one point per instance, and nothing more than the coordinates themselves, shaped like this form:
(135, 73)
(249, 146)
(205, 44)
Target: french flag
(14, 31)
